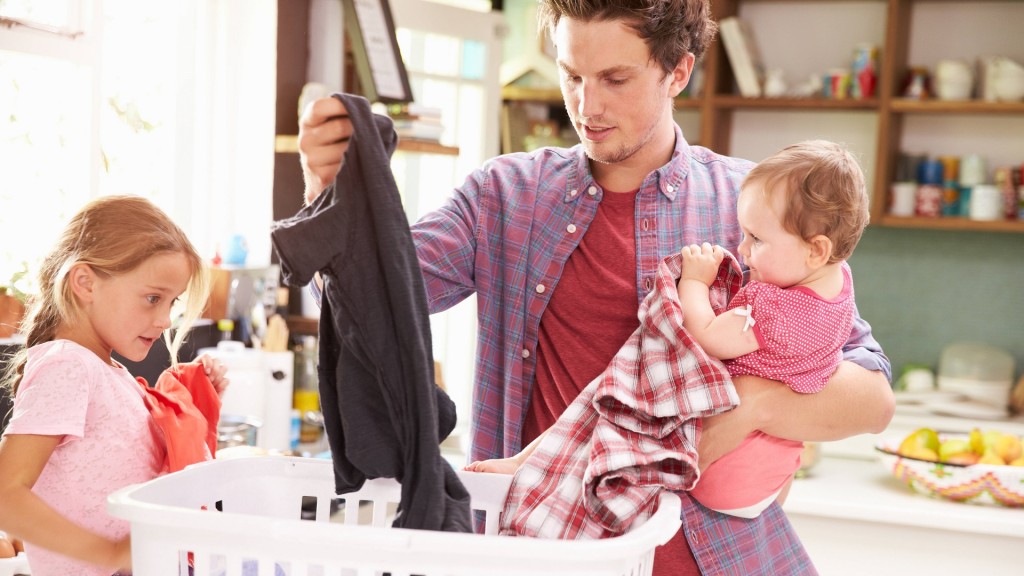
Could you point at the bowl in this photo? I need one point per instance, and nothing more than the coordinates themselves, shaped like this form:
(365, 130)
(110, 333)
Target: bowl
(975, 484)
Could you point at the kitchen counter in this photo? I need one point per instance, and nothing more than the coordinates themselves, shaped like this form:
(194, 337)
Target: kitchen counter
(854, 518)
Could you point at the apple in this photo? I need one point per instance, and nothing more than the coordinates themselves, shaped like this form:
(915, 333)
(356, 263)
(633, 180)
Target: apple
(1008, 447)
(990, 457)
(922, 443)
(953, 446)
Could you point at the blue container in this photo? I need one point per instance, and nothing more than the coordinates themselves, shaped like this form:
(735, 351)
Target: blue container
(930, 172)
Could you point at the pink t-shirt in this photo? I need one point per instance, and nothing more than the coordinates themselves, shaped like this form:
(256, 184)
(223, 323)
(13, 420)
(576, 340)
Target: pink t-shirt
(801, 337)
(109, 441)
(801, 334)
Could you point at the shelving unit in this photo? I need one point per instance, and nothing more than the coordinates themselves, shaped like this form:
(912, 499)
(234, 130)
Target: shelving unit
(718, 102)
(289, 144)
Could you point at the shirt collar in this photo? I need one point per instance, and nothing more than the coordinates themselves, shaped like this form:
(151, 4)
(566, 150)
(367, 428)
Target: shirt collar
(668, 178)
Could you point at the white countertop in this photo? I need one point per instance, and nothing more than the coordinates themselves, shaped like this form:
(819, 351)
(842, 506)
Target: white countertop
(861, 489)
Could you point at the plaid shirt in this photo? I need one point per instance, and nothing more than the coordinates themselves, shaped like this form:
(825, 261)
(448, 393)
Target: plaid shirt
(505, 235)
(633, 431)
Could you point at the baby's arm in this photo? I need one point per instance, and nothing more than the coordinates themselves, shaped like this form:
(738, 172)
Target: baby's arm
(507, 465)
(721, 336)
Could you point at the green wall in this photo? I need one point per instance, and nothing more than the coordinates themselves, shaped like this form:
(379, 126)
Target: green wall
(924, 289)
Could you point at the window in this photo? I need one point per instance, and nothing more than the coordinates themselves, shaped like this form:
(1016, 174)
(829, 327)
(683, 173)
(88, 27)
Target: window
(173, 101)
(452, 56)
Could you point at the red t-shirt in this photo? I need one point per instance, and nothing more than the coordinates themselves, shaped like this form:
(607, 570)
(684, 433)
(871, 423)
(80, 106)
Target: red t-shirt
(592, 312)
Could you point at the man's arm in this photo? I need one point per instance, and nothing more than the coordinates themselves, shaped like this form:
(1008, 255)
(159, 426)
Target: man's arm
(855, 401)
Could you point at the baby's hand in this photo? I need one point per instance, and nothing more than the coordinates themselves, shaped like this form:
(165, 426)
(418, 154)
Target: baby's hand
(701, 262)
(496, 466)
(215, 371)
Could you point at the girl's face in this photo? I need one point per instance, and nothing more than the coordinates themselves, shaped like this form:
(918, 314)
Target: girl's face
(129, 312)
(619, 99)
(773, 254)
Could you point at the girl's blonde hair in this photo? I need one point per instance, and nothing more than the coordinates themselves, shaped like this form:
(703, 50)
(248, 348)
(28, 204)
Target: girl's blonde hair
(112, 235)
(825, 192)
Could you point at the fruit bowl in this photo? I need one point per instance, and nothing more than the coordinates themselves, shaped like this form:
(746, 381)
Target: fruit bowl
(976, 484)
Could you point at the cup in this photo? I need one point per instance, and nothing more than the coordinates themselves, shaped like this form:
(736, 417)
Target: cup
(972, 170)
(986, 202)
(954, 80)
(904, 197)
(1008, 80)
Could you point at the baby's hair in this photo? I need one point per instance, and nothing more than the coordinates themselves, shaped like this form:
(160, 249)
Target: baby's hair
(112, 235)
(825, 192)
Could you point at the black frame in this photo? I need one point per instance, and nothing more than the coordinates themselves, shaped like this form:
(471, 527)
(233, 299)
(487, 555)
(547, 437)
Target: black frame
(367, 73)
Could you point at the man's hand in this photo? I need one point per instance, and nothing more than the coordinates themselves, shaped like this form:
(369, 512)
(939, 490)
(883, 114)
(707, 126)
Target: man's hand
(724, 432)
(324, 132)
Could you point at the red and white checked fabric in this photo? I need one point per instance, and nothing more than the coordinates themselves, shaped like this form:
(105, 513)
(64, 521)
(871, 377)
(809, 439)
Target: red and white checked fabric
(632, 432)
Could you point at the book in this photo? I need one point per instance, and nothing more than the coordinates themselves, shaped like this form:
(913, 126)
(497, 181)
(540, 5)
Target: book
(419, 130)
(744, 55)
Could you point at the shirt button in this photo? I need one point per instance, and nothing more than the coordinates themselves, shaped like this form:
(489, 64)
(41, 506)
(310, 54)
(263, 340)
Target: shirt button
(571, 228)
(592, 191)
(526, 353)
(573, 192)
(669, 188)
(540, 288)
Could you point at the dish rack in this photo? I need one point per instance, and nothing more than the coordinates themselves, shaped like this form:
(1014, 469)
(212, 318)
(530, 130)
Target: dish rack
(244, 517)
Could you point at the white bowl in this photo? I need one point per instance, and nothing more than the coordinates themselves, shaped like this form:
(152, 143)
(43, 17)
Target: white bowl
(976, 484)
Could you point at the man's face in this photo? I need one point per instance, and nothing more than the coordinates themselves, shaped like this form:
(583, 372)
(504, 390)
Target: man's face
(618, 98)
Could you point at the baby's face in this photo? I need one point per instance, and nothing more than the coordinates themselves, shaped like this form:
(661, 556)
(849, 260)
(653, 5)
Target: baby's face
(773, 254)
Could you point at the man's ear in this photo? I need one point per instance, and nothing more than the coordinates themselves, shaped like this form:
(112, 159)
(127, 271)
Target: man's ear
(820, 251)
(681, 74)
(82, 281)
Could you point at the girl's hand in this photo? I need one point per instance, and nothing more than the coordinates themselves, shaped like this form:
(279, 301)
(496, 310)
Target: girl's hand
(215, 371)
(121, 556)
(701, 262)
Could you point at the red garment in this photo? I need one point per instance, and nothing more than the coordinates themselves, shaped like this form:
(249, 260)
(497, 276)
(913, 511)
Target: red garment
(591, 313)
(185, 406)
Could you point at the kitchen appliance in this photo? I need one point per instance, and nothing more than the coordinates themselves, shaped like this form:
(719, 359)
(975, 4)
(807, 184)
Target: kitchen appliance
(260, 390)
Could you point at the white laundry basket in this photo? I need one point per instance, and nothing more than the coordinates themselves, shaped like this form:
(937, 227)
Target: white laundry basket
(259, 531)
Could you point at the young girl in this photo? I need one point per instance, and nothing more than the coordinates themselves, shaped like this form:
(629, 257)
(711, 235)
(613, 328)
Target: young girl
(802, 212)
(79, 428)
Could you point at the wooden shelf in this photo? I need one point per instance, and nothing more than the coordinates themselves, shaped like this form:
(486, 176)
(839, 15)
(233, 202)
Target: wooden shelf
(289, 144)
(953, 223)
(717, 103)
(303, 325)
(426, 147)
(548, 95)
(956, 107)
(800, 104)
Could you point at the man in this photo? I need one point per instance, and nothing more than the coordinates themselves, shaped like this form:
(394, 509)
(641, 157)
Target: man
(561, 245)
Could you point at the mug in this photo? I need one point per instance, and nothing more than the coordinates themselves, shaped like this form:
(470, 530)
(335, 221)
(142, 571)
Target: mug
(972, 170)
(954, 80)
(904, 198)
(986, 202)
